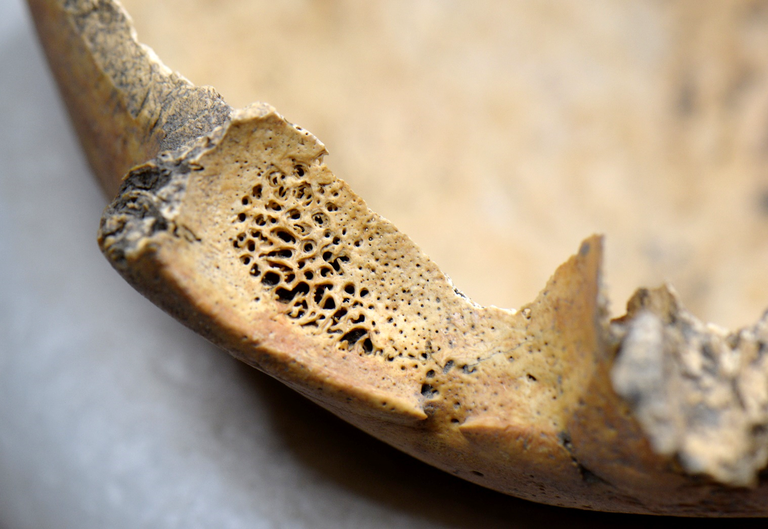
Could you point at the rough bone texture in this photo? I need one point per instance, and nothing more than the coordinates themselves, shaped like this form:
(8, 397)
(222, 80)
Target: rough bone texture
(699, 391)
(247, 237)
(125, 104)
(518, 401)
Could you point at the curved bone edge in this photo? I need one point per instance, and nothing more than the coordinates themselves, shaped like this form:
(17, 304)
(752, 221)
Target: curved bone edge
(481, 392)
(126, 106)
(167, 235)
(505, 399)
(699, 391)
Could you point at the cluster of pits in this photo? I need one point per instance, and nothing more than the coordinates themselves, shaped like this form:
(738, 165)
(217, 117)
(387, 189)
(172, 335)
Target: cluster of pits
(314, 251)
(290, 240)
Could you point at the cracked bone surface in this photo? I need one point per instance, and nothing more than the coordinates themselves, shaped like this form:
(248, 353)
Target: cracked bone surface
(231, 221)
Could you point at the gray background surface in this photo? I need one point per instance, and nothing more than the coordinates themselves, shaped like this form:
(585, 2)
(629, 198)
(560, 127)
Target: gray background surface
(114, 416)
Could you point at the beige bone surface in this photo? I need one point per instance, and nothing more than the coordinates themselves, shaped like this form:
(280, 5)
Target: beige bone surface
(520, 402)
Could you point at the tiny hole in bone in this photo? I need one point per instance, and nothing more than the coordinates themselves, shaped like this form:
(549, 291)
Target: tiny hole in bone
(270, 279)
(428, 391)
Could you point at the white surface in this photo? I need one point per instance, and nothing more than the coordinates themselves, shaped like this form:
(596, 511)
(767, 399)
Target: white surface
(114, 416)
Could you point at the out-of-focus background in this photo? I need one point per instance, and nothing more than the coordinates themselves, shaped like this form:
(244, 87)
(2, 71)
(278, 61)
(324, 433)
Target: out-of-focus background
(496, 134)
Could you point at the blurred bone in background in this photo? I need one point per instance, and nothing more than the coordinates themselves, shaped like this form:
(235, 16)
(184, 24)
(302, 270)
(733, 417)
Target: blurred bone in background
(499, 134)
